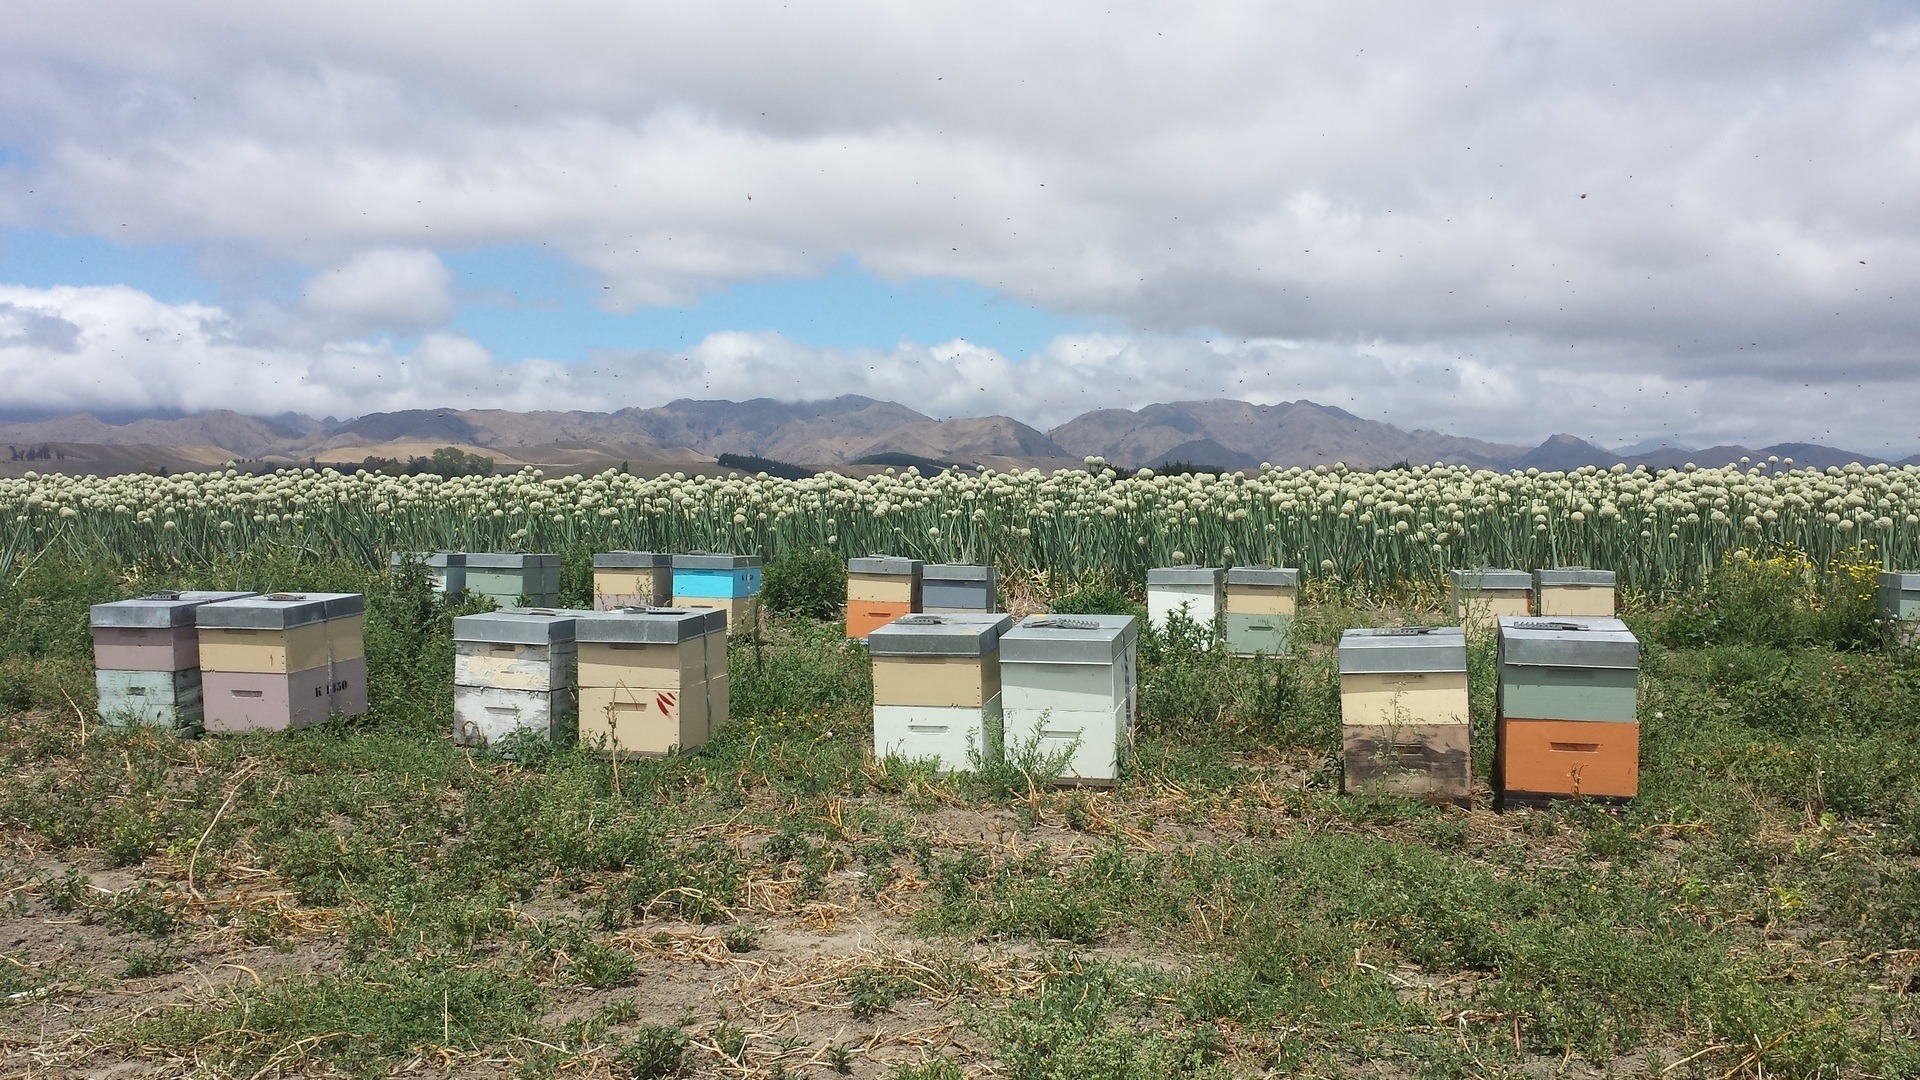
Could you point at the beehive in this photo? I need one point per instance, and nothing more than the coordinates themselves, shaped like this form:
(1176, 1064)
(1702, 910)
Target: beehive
(1260, 605)
(880, 589)
(509, 578)
(958, 588)
(631, 579)
(1068, 688)
(1196, 590)
(1568, 724)
(1575, 591)
(146, 658)
(729, 583)
(514, 676)
(1405, 728)
(1481, 597)
(283, 660)
(1897, 602)
(447, 569)
(936, 688)
(650, 681)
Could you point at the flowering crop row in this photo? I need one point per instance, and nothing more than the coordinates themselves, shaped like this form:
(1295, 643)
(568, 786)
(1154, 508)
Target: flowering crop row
(1656, 529)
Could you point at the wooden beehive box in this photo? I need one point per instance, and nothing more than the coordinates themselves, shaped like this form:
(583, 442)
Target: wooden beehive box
(644, 680)
(1199, 591)
(447, 569)
(936, 688)
(632, 579)
(880, 589)
(510, 578)
(514, 676)
(1481, 597)
(1575, 591)
(729, 583)
(1260, 604)
(282, 660)
(1068, 689)
(146, 655)
(958, 588)
(1568, 724)
(1404, 718)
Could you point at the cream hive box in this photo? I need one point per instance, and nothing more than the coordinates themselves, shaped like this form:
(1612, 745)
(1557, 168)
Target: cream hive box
(447, 569)
(936, 688)
(652, 680)
(509, 578)
(1260, 604)
(1199, 591)
(880, 589)
(146, 658)
(1405, 727)
(513, 676)
(632, 579)
(1568, 724)
(1573, 590)
(282, 660)
(729, 583)
(1068, 689)
(958, 588)
(1481, 598)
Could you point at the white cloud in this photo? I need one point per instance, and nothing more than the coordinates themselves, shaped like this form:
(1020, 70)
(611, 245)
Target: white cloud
(385, 289)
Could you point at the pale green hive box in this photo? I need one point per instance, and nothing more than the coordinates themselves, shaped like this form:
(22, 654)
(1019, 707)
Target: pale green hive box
(168, 700)
(1260, 633)
(1899, 595)
(1568, 668)
(506, 576)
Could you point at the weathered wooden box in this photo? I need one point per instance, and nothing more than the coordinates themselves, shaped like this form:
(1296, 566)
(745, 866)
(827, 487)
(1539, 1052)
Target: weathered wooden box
(282, 660)
(511, 578)
(958, 588)
(1574, 590)
(1480, 597)
(1405, 726)
(1569, 709)
(1068, 689)
(1260, 605)
(241, 701)
(168, 700)
(514, 675)
(151, 633)
(446, 569)
(631, 579)
(1199, 591)
(936, 688)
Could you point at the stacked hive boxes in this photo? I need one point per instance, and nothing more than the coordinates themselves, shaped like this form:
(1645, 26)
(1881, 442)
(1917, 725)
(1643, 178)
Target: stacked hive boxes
(880, 589)
(1568, 723)
(653, 681)
(1404, 723)
(146, 656)
(936, 688)
(1195, 590)
(283, 660)
(448, 569)
(729, 583)
(632, 579)
(513, 675)
(514, 577)
(1068, 688)
(1481, 597)
(1261, 601)
(958, 587)
(1898, 604)
(1575, 591)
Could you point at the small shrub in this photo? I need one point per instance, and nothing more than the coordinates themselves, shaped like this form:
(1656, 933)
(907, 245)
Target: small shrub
(655, 1051)
(1098, 600)
(808, 584)
(142, 964)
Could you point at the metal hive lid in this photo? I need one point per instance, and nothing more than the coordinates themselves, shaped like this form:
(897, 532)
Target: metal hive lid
(437, 560)
(1899, 581)
(1069, 639)
(632, 560)
(1389, 650)
(884, 564)
(1566, 641)
(162, 610)
(1190, 574)
(510, 560)
(519, 626)
(712, 560)
(1272, 577)
(1484, 579)
(956, 572)
(1573, 575)
(278, 611)
(939, 635)
(644, 626)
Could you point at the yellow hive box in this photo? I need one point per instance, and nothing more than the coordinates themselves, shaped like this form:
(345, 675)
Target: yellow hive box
(1574, 591)
(643, 721)
(719, 701)
(1377, 699)
(629, 588)
(620, 663)
(1255, 600)
(741, 610)
(936, 681)
(883, 588)
(279, 652)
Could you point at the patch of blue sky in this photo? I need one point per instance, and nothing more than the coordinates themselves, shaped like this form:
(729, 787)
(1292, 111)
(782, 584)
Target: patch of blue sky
(522, 302)
(43, 260)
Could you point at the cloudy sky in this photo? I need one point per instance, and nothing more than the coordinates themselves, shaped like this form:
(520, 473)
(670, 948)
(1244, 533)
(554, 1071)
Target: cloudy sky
(1626, 221)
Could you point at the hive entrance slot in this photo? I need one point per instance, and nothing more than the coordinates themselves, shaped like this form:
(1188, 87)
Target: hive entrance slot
(1576, 747)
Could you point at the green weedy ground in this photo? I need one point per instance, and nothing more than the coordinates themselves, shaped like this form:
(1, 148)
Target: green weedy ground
(365, 899)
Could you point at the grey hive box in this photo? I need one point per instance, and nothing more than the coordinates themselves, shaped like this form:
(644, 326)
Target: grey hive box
(1200, 591)
(447, 569)
(631, 579)
(1068, 686)
(1568, 668)
(936, 688)
(1480, 597)
(282, 660)
(514, 676)
(653, 680)
(1897, 596)
(1405, 724)
(1260, 605)
(506, 576)
(957, 588)
(1574, 590)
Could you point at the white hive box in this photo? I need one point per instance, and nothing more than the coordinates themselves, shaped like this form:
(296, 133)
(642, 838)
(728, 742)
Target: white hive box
(1068, 687)
(1260, 604)
(631, 579)
(648, 687)
(1405, 723)
(447, 569)
(936, 688)
(1574, 590)
(1199, 591)
(282, 660)
(1482, 597)
(958, 588)
(513, 675)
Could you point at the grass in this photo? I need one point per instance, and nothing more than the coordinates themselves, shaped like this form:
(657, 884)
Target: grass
(362, 896)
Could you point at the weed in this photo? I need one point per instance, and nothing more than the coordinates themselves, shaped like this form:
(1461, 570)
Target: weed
(653, 1051)
(144, 964)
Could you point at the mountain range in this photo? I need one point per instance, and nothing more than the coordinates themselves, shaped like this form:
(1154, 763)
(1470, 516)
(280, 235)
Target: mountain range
(844, 432)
